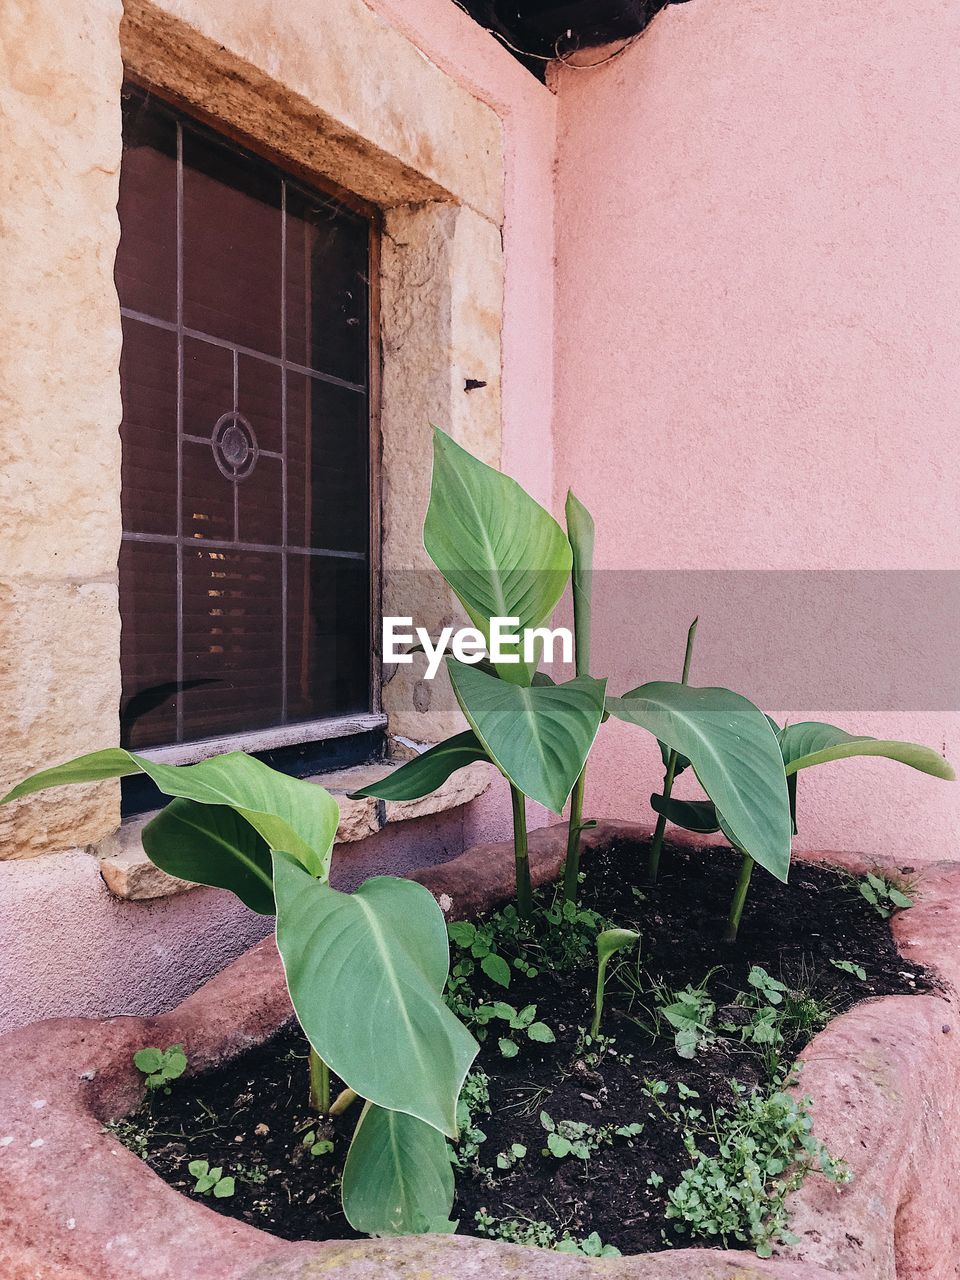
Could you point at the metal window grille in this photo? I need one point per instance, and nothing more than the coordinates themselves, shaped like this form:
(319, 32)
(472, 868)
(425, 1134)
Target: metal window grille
(245, 566)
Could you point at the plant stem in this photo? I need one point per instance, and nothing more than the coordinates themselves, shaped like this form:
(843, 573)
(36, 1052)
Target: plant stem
(598, 998)
(524, 888)
(739, 898)
(656, 845)
(792, 794)
(571, 866)
(653, 858)
(319, 1083)
(342, 1101)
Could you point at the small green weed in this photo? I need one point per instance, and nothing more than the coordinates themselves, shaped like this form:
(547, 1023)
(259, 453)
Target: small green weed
(883, 894)
(539, 1235)
(160, 1066)
(774, 1019)
(579, 1139)
(591, 1050)
(474, 1102)
(772, 989)
(590, 1246)
(558, 936)
(135, 1134)
(317, 1146)
(848, 966)
(210, 1180)
(688, 1013)
(520, 1025)
(744, 1164)
(508, 1159)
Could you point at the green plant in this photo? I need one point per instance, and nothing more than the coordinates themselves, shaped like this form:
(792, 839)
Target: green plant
(579, 1139)
(672, 761)
(508, 1159)
(210, 1180)
(772, 989)
(520, 1024)
(522, 1231)
(849, 966)
(743, 1166)
(683, 1114)
(723, 736)
(883, 894)
(608, 943)
(774, 1019)
(591, 1050)
(237, 824)
(160, 1066)
(473, 1103)
(580, 532)
(540, 1235)
(504, 556)
(801, 746)
(134, 1133)
(557, 936)
(688, 1013)
(317, 1146)
(590, 1246)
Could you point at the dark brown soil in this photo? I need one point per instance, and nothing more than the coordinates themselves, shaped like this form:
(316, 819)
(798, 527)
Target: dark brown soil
(251, 1116)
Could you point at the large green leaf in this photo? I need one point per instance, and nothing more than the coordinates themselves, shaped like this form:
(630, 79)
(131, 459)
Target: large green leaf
(734, 753)
(691, 815)
(211, 844)
(539, 736)
(700, 816)
(291, 815)
(501, 552)
(420, 776)
(366, 972)
(811, 742)
(398, 1179)
(581, 532)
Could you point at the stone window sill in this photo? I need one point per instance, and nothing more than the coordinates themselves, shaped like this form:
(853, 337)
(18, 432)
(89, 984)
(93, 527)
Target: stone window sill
(129, 873)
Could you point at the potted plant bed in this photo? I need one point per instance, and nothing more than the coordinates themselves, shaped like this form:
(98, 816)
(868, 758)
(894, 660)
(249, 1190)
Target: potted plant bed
(75, 1202)
(671, 1116)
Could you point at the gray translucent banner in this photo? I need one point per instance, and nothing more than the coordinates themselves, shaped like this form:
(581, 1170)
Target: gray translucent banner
(864, 640)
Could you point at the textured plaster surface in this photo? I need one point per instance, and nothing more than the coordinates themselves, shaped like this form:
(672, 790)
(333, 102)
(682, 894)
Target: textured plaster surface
(60, 74)
(442, 291)
(756, 335)
(528, 114)
(386, 123)
(75, 1205)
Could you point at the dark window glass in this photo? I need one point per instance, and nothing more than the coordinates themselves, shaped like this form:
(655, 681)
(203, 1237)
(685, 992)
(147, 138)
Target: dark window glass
(245, 570)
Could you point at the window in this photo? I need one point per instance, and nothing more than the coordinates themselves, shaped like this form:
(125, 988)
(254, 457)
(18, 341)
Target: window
(245, 569)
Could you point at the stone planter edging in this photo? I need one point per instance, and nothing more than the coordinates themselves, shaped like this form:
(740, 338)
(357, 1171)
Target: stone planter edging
(76, 1205)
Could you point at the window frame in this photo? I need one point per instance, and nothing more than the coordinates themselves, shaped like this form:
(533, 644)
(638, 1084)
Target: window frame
(330, 728)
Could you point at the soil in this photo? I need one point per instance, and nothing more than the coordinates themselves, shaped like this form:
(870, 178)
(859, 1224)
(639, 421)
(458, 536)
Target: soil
(251, 1116)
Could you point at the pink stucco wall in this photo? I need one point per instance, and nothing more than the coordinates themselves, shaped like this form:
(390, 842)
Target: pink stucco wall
(757, 334)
